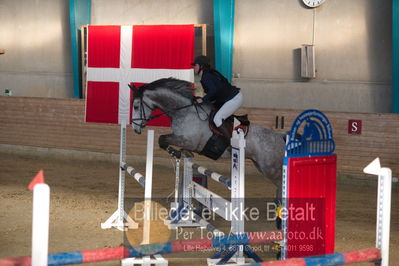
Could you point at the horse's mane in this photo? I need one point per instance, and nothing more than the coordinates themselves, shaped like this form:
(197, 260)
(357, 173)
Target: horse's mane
(177, 86)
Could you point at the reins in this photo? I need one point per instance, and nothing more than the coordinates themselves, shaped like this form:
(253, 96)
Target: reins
(202, 108)
(144, 118)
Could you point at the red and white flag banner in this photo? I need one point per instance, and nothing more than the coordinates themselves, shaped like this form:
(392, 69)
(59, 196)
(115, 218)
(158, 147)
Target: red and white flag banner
(119, 55)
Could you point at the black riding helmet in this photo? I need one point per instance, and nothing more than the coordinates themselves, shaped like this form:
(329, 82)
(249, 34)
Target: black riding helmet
(202, 60)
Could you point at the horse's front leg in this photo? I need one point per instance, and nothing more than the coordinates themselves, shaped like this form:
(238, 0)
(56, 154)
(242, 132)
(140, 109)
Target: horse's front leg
(165, 141)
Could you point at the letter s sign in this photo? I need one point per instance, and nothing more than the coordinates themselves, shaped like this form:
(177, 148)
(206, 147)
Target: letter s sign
(355, 127)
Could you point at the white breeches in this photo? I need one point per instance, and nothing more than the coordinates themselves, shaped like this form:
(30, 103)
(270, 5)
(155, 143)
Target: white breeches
(228, 109)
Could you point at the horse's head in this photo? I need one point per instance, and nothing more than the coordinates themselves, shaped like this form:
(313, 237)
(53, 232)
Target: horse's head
(142, 108)
(166, 94)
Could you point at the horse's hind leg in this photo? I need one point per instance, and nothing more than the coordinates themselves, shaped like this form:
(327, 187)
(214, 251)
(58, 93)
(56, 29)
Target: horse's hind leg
(275, 177)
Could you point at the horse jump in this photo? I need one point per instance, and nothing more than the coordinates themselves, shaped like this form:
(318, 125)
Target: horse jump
(185, 215)
(190, 125)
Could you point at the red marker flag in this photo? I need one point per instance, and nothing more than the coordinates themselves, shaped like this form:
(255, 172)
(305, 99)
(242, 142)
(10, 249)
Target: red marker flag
(38, 179)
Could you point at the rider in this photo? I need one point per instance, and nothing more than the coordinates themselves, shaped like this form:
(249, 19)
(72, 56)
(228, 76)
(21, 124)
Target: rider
(225, 97)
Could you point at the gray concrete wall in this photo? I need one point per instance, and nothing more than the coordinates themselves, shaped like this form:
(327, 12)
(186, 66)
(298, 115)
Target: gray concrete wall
(35, 35)
(352, 39)
(129, 12)
(353, 54)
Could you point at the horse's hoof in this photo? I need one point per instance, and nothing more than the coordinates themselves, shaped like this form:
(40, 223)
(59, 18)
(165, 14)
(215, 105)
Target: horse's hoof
(173, 152)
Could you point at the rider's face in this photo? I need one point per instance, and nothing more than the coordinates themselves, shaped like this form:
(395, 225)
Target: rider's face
(196, 69)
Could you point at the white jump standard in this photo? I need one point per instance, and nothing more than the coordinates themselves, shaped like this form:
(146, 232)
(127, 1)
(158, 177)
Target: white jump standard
(119, 217)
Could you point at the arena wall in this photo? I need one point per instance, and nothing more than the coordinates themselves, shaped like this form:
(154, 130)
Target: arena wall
(352, 42)
(58, 124)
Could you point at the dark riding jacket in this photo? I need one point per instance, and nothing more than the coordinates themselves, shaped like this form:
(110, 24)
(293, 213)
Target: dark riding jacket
(217, 88)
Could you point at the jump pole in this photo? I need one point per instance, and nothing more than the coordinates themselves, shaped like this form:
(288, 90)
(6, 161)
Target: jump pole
(365, 255)
(177, 246)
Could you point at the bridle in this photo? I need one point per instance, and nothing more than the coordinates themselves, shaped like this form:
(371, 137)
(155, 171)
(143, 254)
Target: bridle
(143, 116)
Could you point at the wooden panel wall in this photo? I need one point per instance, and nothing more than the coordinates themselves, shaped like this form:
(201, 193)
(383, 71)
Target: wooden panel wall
(379, 138)
(59, 123)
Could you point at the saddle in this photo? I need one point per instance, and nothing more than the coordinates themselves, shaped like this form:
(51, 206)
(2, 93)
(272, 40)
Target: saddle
(217, 143)
(243, 119)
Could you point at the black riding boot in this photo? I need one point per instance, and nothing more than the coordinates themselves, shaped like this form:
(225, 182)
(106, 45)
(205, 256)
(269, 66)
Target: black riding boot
(225, 130)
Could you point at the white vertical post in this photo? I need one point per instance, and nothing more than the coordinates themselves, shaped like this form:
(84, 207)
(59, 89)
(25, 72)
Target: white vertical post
(40, 224)
(383, 207)
(149, 164)
(238, 188)
(148, 187)
(384, 213)
(284, 203)
(187, 186)
(177, 183)
(119, 216)
(121, 187)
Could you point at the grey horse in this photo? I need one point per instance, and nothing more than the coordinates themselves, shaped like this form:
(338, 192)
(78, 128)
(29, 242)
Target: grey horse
(190, 125)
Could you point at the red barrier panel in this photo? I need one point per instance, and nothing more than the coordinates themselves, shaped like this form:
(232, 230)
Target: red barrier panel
(311, 205)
